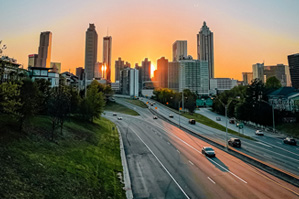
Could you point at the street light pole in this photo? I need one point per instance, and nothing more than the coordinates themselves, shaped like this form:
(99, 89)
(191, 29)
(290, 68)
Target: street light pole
(226, 106)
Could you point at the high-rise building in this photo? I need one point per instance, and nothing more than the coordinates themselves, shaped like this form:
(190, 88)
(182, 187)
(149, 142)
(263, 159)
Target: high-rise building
(146, 70)
(258, 72)
(91, 50)
(219, 85)
(205, 47)
(173, 75)
(129, 82)
(194, 75)
(98, 70)
(179, 50)
(120, 65)
(32, 60)
(107, 43)
(280, 71)
(247, 77)
(294, 69)
(80, 72)
(44, 49)
(162, 73)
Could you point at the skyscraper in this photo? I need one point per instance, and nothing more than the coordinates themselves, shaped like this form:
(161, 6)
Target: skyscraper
(32, 60)
(173, 75)
(98, 70)
(44, 49)
(205, 47)
(162, 72)
(79, 72)
(280, 71)
(179, 49)
(91, 49)
(120, 65)
(258, 72)
(294, 69)
(247, 77)
(146, 70)
(107, 42)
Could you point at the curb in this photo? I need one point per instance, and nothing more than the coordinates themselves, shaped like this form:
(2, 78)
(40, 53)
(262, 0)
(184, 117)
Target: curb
(127, 180)
(288, 177)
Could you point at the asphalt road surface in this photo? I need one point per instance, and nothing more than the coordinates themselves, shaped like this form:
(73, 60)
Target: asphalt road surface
(166, 162)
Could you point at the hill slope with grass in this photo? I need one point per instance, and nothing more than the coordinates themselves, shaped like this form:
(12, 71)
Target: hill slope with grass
(83, 162)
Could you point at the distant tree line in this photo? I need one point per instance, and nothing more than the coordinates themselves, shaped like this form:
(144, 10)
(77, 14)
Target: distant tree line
(174, 99)
(247, 103)
(23, 99)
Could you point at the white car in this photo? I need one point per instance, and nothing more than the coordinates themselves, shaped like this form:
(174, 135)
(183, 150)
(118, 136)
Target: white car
(119, 118)
(259, 132)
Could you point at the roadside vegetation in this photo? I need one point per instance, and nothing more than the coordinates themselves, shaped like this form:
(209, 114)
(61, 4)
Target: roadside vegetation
(291, 129)
(119, 108)
(54, 144)
(136, 102)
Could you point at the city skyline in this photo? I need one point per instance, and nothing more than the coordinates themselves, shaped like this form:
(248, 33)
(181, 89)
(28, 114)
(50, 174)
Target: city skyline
(243, 36)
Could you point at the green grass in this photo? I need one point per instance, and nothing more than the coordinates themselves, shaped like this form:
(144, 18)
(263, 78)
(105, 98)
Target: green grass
(84, 162)
(208, 122)
(289, 129)
(115, 107)
(137, 103)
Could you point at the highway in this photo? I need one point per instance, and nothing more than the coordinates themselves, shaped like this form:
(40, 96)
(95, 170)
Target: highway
(166, 162)
(267, 148)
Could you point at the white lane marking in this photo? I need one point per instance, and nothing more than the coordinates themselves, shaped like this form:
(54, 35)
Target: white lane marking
(168, 143)
(278, 142)
(162, 165)
(211, 180)
(264, 144)
(178, 151)
(191, 162)
(201, 153)
(280, 148)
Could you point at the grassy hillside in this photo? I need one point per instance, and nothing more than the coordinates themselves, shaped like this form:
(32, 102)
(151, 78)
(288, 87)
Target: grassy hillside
(137, 102)
(84, 162)
(115, 107)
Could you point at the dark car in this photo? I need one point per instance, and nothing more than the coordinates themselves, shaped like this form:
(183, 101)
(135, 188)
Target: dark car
(170, 115)
(218, 118)
(231, 121)
(290, 141)
(114, 114)
(208, 151)
(234, 142)
(192, 121)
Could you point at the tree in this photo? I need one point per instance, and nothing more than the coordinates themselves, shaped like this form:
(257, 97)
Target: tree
(28, 96)
(92, 106)
(273, 83)
(190, 103)
(59, 107)
(44, 89)
(10, 101)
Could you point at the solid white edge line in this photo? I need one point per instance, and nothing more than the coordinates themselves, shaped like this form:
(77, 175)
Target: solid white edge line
(211, 180)
(162, 165)
(178, 151)
(279, 147)
(191, 162)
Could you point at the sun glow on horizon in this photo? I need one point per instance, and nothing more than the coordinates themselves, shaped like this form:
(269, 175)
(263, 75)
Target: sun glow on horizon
(153, 68)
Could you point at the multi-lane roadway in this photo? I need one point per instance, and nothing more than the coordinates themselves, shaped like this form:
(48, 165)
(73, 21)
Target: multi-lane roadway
(166, 162)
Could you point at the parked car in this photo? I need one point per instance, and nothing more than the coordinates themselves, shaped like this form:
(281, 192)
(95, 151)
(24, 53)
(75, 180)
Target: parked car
(192, 121)
(170, 115)
(114, 114)
(155, 117)
(290, 141)
(119, 118)
(259, 132)
(218, 118)
(234, 142)
(208, 151)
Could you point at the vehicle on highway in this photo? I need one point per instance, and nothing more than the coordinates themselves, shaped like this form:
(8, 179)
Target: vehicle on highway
(232, 121)
(234, 142)
(290, 141)
(218, 118)
(208, 151)
(259, 132)
(119, 118)
(114, 114)
(155, 117)
(152, 104)
(170, 115)
(192, 121)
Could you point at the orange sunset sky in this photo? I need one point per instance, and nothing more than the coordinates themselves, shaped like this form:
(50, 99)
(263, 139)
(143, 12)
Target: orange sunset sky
(244, 32)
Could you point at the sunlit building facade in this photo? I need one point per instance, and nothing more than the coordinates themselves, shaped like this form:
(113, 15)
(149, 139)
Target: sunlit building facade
(44, 50)
(179, 50)
(258, 72)
(107, 44)
(247, 78)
